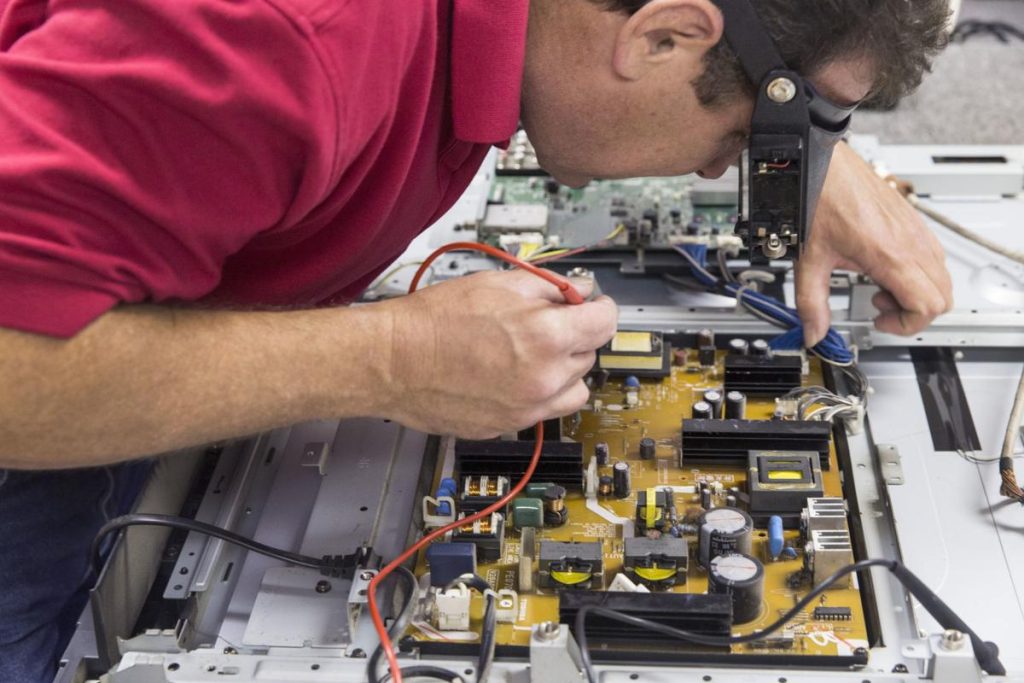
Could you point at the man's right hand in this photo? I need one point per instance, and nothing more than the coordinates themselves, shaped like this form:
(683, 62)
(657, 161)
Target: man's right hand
(491, 353)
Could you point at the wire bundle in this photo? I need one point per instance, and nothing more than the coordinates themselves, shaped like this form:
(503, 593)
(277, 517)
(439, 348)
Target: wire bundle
(831, 349)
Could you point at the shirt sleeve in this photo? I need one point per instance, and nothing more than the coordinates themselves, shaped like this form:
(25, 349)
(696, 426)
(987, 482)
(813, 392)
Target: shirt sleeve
(142, 142)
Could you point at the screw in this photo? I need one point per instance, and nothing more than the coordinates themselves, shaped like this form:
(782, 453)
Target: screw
(781, 90)
(952, 639)
(366, 576)
(548, 630)
(323, 586)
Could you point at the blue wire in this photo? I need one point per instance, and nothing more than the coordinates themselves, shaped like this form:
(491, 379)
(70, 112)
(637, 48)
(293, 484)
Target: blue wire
(832, 348)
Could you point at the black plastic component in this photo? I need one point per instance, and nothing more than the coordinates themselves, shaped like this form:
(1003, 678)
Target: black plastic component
(449, 561)
(648, 448)
(552, 431)
(480, 492)
(704, 614)
(345, 566)
(832, 614)
(728, 442)
(706, 356)
(560, 462)
(763, 375)
(658, 515)
(780, 482)
(571, 565)
(488, 535)
(656, 563)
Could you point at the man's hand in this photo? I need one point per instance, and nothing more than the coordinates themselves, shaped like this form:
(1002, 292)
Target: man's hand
(491, 353)
(862, 224)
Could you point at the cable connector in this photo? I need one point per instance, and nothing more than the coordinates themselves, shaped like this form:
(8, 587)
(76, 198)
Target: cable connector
(345, 566)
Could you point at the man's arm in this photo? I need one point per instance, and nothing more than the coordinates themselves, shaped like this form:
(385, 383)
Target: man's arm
(863, 224)
(478, 356)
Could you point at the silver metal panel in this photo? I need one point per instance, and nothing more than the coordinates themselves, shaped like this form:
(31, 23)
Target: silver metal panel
(954, 530)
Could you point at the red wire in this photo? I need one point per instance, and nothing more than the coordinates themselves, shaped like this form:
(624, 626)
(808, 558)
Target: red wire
(568, 291)
(572, 297)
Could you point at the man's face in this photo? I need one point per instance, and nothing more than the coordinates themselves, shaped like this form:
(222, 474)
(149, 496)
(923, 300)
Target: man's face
(594, 116)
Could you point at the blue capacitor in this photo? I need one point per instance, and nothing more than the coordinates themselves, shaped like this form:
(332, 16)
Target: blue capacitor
(631, 382)
(447, 487)
(790, 552)
(776, 542)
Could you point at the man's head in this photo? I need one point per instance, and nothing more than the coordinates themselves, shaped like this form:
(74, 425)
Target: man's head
(617, 88)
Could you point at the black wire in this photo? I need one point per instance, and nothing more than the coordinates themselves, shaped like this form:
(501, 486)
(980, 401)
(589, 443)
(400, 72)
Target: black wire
(488, 639)
(146, 519)
(423, 671)
(985, 653)
(411, 590)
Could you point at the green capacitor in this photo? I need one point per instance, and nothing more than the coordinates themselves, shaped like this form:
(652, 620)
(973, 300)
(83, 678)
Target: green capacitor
(527, 512)
(536, 489)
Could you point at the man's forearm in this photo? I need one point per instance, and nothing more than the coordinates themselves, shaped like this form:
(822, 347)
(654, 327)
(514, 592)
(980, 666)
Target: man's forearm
(146, 379)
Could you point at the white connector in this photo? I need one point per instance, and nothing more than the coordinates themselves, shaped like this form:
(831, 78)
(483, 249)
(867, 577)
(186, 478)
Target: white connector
(451, 608)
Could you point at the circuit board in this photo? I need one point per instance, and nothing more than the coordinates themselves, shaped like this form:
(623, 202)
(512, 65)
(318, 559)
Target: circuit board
(833, 625)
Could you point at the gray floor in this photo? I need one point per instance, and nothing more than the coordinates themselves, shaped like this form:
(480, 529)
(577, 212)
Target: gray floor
(975, 94)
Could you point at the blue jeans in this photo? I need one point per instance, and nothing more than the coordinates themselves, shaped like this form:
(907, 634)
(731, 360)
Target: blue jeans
(47, 521)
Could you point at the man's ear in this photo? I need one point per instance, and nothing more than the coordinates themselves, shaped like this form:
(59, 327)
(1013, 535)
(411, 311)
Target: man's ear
(666, 30)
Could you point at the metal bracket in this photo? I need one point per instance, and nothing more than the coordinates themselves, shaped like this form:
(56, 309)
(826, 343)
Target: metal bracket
(892, 468)
(554, 654)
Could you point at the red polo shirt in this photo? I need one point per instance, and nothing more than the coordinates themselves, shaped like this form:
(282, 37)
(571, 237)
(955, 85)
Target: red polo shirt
(241, 153)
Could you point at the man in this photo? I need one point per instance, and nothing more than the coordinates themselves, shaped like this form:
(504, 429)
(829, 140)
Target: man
(190, 191)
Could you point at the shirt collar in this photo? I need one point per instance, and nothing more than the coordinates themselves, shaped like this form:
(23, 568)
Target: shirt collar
(487, 51)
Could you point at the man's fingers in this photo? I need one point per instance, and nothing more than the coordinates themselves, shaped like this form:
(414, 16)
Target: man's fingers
(812, 289)
(592, 324)
(570, 400)
(884, 302)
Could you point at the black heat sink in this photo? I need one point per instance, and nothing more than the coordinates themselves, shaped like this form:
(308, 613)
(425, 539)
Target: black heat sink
(727, 442)
(701, 613)
(763, 375)
(560, 462)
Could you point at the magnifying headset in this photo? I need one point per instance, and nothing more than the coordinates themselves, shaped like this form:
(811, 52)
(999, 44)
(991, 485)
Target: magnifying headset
(792, 134)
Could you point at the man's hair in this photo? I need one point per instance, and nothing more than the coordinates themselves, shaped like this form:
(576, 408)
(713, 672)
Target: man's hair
(898, 37)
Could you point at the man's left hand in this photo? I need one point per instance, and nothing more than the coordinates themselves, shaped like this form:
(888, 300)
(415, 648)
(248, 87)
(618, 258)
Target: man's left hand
(863, 224)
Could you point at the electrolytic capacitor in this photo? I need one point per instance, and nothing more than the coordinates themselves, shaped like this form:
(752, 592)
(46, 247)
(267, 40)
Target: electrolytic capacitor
(713, 397)
(601, 453)
(759, 347)
(735, 405)
(705, 337)
(724, 530)
(739, 347)
(705, 498)
(776, 540)
(604, 485)
(731, 501)
(701, 410)
(620, 480)
(647, 448)
(742, 578)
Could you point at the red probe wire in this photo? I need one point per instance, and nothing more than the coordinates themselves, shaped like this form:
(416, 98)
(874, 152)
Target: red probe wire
(571, 297)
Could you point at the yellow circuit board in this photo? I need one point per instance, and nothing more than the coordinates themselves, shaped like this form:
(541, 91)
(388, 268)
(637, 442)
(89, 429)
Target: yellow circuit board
(663, 404)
